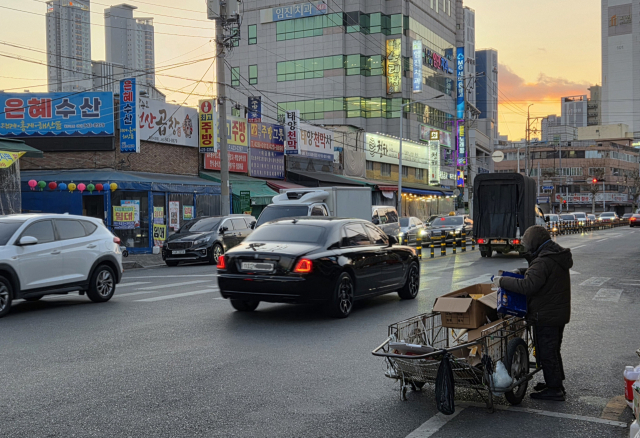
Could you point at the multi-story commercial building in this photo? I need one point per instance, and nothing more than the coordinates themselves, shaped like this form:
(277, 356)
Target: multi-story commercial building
(487, 86)
(107, 77)
(620, 60)
(130, 42)
(574, 111)
(68, 46)
(594, 116)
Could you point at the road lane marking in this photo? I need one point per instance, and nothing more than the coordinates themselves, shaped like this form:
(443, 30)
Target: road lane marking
(612, 295)
(484, 278)
(129, 294)
(167, 286)
(576, 247)
(601, 240)
(185, 294)
(434, 424)
(595, 281)
(572, 272)
(547, 414)
(135, 283)
(172, 276)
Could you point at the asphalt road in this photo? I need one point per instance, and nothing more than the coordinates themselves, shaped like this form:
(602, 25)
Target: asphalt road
(167, 357)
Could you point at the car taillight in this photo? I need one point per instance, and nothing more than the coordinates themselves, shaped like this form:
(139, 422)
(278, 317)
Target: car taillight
(303, 266)
(482, 241)
(632, 219)
(116, 240)
(515, 241)
(222, 262)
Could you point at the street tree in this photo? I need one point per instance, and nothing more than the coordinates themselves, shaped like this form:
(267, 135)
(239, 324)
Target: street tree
(632, 181)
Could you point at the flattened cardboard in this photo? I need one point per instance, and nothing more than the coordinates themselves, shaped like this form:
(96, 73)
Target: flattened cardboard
(458, 310)
(490, 300)
(452, 305)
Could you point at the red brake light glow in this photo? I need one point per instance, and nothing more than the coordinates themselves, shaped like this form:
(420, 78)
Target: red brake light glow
(304, 266)
(482, 241)
(442, 219)
(116, 240)
(515, 242)
(632, 219)
(222, 263)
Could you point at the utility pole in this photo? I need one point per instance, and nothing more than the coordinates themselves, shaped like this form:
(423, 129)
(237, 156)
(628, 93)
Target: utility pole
(528, 137)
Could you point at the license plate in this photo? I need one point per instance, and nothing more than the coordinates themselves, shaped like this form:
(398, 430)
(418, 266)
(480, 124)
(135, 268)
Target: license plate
(252, 266)
(499, 242)
(182, 251)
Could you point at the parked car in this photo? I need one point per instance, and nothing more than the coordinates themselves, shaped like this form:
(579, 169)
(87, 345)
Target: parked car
(206, 238)
(431, 219)
(627, 216)
(568, 218)
(634, 220)
(386, 218)
(452, 227)
(328, 261)
(44, 254)
(608, 217)
(410, 227)
(592, 217)
(580, 217)
(552, 220)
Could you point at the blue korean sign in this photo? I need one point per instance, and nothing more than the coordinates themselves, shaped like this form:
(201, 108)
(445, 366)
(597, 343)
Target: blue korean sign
(255, 110)
(266, 150)
(54, 114)
(417, 66)
(308, 9)
(129, 135)
(460, 82)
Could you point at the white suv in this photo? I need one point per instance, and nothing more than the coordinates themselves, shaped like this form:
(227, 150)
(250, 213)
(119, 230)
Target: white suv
(42, 254)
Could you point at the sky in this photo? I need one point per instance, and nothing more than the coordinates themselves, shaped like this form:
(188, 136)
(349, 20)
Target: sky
(546, 49)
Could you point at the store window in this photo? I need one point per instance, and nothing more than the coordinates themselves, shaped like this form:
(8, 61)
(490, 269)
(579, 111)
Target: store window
(385, 169)
(369, 165)
(181, 210)
(134, 235)
(405, 171)
(208, 205)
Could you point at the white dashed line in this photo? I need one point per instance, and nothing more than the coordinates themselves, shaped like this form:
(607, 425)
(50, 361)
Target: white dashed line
(612, 295)
(434, 424)
(576, 247)
(135, 283)
(595, 281)
(170, 297)
(167, 286)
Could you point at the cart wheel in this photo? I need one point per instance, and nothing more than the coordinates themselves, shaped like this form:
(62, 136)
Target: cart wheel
(403, 392)
(517, 363)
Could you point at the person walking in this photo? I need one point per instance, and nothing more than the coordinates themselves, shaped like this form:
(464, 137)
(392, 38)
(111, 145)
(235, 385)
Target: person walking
(547, 285)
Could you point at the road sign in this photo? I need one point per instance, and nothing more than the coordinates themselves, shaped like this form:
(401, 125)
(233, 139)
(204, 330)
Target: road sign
(547, 187)
(497, 156)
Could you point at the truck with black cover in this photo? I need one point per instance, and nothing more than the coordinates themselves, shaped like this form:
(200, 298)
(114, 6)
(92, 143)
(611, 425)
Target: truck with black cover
(504, 206)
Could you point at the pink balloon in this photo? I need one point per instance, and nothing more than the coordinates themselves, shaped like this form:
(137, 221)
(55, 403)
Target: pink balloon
(82, 187)
(33, 183)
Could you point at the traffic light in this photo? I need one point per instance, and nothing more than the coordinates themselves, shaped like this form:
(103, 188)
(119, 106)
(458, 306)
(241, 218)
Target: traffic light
(594, 180)
(564, 201)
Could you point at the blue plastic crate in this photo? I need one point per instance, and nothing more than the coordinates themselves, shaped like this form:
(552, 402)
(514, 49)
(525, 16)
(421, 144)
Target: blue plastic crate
(511, 303)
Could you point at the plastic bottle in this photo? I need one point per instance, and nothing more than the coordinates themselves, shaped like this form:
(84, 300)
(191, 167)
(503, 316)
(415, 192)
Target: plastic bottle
(634, 429)
(631, 374)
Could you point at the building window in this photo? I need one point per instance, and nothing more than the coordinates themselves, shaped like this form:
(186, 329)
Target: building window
(235, 76)
(253, 34)
(449, 7)
(437, 6)
(253, 74)
(419, 173)
(431, 4)
(385, 169)
(405, 171)
(369, 165)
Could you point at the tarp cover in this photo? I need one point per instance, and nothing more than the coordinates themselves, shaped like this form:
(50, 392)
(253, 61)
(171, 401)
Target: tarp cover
(502, 202)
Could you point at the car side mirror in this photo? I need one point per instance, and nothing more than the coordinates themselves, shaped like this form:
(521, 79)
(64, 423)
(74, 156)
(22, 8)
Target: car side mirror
(393, 240)
(375, 221)
(222, 230)
(27, 241)
(252, 225)
(546, 219)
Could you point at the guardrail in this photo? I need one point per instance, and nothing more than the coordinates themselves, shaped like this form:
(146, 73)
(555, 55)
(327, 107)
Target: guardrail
(578, 227)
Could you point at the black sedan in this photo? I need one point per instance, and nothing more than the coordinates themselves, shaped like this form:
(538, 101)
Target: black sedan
(451, 227)
(325, 260)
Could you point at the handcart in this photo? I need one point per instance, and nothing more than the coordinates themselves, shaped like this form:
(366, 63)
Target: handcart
(509, 341)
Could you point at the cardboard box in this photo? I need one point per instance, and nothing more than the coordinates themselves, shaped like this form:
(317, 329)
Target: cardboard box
(459, 310)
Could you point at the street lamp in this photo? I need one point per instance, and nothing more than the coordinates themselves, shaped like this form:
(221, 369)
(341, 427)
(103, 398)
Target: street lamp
(400, 152)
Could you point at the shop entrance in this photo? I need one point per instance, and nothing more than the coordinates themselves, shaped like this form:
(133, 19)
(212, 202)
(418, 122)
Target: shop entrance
(93, 206)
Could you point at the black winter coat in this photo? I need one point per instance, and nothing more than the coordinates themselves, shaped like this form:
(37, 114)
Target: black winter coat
(547, 285)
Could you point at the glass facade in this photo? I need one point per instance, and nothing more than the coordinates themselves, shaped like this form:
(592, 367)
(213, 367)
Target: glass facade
(314, 67)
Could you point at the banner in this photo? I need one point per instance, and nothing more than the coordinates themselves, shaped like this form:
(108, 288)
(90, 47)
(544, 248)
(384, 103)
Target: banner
(460, 82)
(129, 135)
(245, 201)
(255, 110)
(266, 150)
(159, 234)
(174, 215)
(8, 158)
(462, 146)
(417, 66)
(166, 123)
(394, 66)
(238, 160)
(207, 122)
(299, 10)
(427, 133)
(316, 142)
(54, 114)
(292, 132)
(158, 215)
(123, 217)
(187, 212)
(136, 208)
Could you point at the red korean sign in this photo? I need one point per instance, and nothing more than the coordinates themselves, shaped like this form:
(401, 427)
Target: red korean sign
(238, 161)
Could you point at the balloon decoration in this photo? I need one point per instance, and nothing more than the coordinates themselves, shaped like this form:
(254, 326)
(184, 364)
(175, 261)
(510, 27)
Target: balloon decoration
(72, 187)
(42, 185)
(82, 187)
(113, 187)
(99, 187)
(33, 183)
(53, 185)
(91, 188)
(62, 187)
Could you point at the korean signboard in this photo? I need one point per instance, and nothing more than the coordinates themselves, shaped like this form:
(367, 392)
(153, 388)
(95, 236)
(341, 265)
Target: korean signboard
(136, 210)
(123, 217)
(427, 133)
(300, 10)
(158, 215)
(292, 132)
(436, 61)
(620, 20)
(129, 134)
(255, 110)
(174, 214)
(266, 150)
(435, 175)
(462, 145)
(238, 159)
(187, 212)
(52, 114)
(245, 201)
(159, 234)
(166, 123)
(207, 121)
(8, 158)
(394, 66)
(460, 82)
(383, 149)
(316, 142)
(417, 66)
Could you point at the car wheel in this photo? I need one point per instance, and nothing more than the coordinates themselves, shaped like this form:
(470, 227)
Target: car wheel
(411, 287)
(171, 263)
(6, 296)
(343, 297)
(517, 364)
(245, 305)
(216, 253)
(102, 284)
(32, 299)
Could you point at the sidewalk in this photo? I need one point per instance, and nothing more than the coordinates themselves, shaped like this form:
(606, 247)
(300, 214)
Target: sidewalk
(137, 261)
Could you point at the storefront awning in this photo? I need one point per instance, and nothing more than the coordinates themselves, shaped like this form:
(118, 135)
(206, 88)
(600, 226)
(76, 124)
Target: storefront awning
(424, 189)
(261, 193)
(11, 145)
(387, 188)
(160, 182)
(278, 185)
(320, 179)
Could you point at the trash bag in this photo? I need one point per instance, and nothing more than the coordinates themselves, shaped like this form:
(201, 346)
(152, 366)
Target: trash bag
(501, 379)
(445, 387)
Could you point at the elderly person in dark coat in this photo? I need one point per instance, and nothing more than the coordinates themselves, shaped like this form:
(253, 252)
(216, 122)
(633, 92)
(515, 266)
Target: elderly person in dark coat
(547, 285)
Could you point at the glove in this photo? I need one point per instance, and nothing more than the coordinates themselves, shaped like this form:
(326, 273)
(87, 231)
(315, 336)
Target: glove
(496, 280)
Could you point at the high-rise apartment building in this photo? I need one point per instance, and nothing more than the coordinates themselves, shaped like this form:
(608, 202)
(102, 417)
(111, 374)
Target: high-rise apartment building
(574, 111)
(130, 42)
(593, 105)
(487, 88)
(620, 61)
(68, 45)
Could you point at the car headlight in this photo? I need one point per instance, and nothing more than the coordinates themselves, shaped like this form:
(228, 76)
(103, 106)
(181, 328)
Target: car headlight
(201, 241)
(458, 231)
